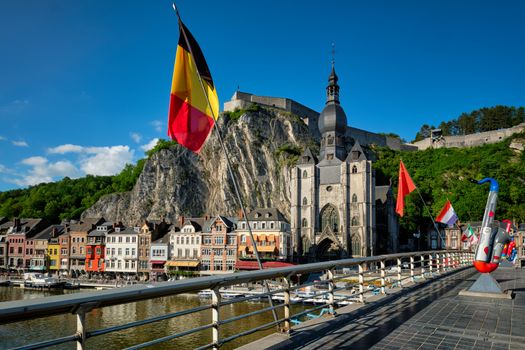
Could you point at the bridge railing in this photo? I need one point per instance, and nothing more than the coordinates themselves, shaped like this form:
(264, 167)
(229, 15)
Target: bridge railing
(346, 281)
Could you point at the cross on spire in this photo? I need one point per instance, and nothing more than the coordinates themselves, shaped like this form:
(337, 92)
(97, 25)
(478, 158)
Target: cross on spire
(333, 54)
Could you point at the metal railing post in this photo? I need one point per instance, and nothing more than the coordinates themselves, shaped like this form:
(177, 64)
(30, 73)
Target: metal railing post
(287, 284)
(422, 259)
(412, 268)
(430, 262)
(383, 275)
(448, 261)
(444, 262)
(399, 283)
(331, 285)
(361, 282)
(81, 329)
(215, 301)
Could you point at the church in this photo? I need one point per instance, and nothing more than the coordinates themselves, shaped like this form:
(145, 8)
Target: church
(337, 211)
(337, 208)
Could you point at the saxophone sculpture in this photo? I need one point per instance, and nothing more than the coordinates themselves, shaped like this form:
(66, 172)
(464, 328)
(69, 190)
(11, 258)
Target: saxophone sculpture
(493, 237)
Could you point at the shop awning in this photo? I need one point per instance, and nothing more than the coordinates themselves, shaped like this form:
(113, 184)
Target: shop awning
(266, 248)
(252, 265)
(182, 263)
(158, 262)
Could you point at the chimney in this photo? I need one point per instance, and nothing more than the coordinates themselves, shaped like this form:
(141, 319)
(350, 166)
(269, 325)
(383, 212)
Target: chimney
(16, 224)
(54, 232)
(181, 220)
(241, 214)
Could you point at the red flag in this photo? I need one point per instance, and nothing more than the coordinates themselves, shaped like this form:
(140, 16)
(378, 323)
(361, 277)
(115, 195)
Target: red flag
(406, 185)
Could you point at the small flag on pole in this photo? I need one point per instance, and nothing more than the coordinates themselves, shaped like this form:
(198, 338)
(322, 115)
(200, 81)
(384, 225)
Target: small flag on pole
(468, 235)
(447, 215)
(473, 240)
(406, 185)
(190, 118)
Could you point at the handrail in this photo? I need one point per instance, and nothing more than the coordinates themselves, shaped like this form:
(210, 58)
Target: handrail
(81, 303)
(29, 309)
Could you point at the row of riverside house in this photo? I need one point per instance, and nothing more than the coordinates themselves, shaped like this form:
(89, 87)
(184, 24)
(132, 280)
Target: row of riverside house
(150, 250)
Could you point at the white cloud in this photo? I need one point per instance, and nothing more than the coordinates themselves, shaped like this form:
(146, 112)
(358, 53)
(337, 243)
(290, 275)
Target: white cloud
(98, 160)
(106, 160)
(150, 144)
(20, 143)
(44, 171)
(136, 136)
(2, 138)
(34, 161)
(67, 148)
(158, 125)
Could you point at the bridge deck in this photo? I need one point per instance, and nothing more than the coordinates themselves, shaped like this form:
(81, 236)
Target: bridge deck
(426, 316)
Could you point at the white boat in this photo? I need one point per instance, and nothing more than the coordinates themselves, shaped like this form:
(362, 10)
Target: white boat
(205, 293)
(229, 295)
(39, 280)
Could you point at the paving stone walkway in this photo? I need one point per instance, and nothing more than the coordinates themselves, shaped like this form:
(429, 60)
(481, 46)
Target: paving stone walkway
(427, 316)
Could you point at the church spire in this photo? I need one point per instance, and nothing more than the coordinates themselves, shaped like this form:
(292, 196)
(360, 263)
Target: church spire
(332, 90)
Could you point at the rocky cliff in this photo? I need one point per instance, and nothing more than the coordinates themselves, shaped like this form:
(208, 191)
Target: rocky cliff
(262, 144)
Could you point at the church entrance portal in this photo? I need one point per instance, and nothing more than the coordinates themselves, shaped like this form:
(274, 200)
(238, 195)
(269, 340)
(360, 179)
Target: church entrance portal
(328, 250)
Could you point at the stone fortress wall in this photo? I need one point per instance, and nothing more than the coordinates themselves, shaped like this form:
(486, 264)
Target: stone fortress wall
(243, 100)
(471, 140)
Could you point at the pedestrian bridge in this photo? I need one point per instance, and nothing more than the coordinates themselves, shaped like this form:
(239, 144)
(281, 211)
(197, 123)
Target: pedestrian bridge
(407, 300)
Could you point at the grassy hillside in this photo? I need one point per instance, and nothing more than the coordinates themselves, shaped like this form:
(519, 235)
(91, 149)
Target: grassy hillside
(443, 173)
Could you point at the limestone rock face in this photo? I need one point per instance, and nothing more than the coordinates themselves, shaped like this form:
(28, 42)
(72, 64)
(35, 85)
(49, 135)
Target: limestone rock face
(262, 147)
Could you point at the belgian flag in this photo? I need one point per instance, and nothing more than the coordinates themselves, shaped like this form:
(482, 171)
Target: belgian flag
(190, 117)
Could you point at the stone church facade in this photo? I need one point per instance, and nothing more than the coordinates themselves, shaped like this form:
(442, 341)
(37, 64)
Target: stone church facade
(333, 202)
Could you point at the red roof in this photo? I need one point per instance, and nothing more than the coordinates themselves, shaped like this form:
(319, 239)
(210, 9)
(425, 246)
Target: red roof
(252, 265)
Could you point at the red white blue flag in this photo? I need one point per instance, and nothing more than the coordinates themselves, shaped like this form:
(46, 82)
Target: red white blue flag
(447, 215)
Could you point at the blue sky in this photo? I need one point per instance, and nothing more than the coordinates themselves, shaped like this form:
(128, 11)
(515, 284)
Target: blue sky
(84, 85)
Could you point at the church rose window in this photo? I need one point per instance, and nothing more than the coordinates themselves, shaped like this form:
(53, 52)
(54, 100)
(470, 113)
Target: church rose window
(330, 218)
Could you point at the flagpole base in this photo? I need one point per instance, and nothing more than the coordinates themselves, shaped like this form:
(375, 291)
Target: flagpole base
(487, 287)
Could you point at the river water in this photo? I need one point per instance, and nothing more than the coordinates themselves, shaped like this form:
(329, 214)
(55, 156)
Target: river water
(18, 334)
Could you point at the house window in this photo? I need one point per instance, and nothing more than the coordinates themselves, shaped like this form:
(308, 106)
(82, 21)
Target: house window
(355, 221)
(305, 222)
(243, 238)
(354, 198)
(263, 225)
(354, 170)
(272, 225)
(305, 201)
(305, 174)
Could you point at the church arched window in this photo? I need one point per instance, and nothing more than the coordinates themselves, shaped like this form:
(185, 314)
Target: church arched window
(356, 246)
(354, 198)
(305, 201)
(355, 221)
(354, 170)
(330, 218)
(305, 223)
(305, 173)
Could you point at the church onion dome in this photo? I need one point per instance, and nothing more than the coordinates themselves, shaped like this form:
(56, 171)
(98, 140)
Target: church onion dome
(333, 117)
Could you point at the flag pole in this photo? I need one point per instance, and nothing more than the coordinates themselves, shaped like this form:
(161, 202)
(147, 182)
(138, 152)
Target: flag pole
(230, 171)
(430, 214)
